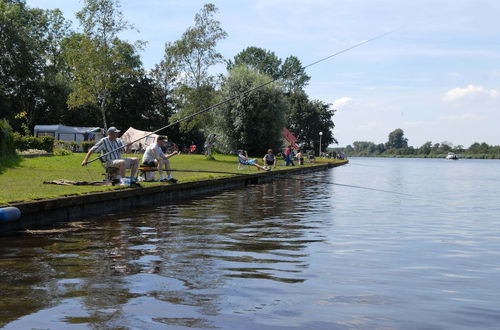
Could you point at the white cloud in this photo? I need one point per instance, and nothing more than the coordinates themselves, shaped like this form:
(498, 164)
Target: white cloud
(342, 102)
(414, 123)
(464, 116)
(371, 125)
(471, 92)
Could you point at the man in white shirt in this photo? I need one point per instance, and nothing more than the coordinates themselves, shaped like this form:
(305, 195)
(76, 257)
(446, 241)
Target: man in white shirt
(111, 148)
(154, 156)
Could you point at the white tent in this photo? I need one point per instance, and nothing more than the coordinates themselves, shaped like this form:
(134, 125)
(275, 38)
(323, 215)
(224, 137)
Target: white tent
(133, 134)
(68, 133)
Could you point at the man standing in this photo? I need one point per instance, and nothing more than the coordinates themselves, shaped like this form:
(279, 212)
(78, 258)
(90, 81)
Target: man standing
(111, 148)
(154, 156)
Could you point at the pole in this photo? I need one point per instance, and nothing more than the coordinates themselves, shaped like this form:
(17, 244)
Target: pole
(320, 135)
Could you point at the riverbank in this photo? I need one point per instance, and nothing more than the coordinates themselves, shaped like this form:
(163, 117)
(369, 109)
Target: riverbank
(92, 201)
(25, 181)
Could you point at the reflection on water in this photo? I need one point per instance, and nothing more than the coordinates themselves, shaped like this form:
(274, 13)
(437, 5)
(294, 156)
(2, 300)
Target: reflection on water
(295, 253)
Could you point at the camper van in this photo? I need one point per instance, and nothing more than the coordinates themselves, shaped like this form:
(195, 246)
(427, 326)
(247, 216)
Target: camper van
(69, 133)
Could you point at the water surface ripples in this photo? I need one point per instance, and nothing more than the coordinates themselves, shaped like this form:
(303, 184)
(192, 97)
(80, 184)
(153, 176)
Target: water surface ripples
(398, 243)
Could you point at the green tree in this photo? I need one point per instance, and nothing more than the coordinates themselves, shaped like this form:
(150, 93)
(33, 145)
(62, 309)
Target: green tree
(397, 140)
(165, 78)
(293, 75)
(307, 118)
(30, 62)
(425, 148)
(290, 72)
(194, 54)
(252, 122)
(98, 57)
(259, 59)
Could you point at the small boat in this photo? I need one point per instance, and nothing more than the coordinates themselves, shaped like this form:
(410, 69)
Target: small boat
(451, 156)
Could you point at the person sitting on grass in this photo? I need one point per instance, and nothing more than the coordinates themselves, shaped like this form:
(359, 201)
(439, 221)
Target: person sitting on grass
(300, 157)
(154, 156)
(243, 159)
(269, 159)
(111, 148)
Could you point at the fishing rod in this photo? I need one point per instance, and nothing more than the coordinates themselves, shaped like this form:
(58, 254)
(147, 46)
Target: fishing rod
(248, 91)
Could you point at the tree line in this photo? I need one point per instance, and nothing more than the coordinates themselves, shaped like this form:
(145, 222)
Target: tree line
(52, 74)
(397, 146)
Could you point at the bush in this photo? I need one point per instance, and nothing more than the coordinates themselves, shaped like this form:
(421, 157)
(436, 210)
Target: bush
(7, 147)
(30, 142)
(32, 152)
(62, 152)
(86, 145)
(70, 146)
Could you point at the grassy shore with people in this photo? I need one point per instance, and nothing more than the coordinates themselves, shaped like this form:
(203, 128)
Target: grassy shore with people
(25, 181)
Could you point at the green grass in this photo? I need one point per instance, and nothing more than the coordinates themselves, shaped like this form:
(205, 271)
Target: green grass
(24, 181)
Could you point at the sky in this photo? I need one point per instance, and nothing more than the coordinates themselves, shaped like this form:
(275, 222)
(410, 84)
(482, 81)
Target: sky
(437, 78)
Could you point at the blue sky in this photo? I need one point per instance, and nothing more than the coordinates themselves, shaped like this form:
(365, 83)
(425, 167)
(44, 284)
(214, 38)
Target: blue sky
(438, 79)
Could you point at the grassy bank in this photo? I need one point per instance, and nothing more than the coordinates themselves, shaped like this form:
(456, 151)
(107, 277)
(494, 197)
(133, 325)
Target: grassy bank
(24, 181)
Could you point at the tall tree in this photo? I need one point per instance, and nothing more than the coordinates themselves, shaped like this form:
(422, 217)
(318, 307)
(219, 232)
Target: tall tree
(293, 75)
(259, 59)
(194, 54)
(397, 140)
(29, 60)
(290, 72)
(307, 118)
(96, 57)
(252, 122)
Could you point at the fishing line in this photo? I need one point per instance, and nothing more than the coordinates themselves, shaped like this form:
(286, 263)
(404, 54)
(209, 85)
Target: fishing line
(354, 186)
(207, 171)
(368, 188)
(247, 92)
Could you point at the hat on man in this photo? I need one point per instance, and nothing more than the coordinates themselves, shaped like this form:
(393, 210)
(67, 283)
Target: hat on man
(113, 129)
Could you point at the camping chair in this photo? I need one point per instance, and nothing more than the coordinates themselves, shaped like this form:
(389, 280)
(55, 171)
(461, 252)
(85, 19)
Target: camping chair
(242, 165)
(110, 174)
(146, 173)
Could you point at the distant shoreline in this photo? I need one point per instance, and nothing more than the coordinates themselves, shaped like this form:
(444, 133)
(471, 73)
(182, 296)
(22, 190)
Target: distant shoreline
(486, 156)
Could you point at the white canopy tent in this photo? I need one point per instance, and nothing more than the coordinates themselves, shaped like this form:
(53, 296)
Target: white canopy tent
(133, 134)
(68, 133)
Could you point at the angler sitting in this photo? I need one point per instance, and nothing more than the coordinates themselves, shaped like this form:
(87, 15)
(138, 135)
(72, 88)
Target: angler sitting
(111, 148)
(154, 156)
(269, 159)
(243, 159)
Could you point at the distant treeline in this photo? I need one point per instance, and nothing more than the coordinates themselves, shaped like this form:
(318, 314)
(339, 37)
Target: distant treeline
(397, 146)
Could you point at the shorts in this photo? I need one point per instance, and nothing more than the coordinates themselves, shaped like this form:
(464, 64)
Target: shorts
(250, 161)
(116, 162)
(149, 163)
(269, 162)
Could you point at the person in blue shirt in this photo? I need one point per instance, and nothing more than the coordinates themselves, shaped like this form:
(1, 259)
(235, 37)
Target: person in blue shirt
(243, 159)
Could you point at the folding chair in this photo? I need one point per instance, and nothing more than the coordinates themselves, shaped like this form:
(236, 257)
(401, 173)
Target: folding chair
(110, 175)
(241, 165)
(146, 173)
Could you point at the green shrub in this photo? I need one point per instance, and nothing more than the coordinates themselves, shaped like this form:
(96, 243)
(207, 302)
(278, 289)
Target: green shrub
(86, 145)
(32, 152)
(71, 146)
(7, 147)
(30, 142)
(62, 152)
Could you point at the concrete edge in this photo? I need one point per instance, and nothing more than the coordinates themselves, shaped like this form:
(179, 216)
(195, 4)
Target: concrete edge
(68, 208)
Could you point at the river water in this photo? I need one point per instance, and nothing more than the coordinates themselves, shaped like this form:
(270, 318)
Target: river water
(379, 243)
